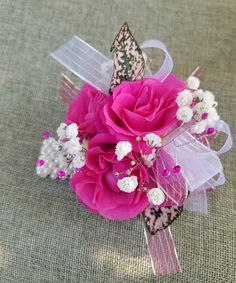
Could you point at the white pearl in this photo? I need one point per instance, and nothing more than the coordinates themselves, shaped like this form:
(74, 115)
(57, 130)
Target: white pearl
(57, 159)
(51, 165)
(46, 170)
(39, 170)
(52, 156)
(43, 174)
(45, 142)
(53, 176)
(42, 150)
(62, 162)
(62, 166)
(51, 140)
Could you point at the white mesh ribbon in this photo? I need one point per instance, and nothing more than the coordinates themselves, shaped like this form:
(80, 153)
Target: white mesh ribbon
(200, 165)
(197, 202)
(86, 62)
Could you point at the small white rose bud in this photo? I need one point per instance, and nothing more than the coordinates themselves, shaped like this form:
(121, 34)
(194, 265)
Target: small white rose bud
(128, 184)
(122, 149)
(156, 196)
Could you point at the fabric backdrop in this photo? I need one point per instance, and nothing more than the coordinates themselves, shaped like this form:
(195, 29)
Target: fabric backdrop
(45, 235)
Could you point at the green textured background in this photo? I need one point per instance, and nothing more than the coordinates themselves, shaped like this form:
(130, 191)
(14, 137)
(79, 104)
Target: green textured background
(45, 236)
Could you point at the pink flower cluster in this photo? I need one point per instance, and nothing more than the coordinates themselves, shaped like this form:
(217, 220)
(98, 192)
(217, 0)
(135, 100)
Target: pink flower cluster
(134, 110)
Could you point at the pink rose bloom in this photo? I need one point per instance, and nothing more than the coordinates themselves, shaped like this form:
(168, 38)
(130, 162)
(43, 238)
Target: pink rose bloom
(144, 106)
(96, 186)
(86, 110)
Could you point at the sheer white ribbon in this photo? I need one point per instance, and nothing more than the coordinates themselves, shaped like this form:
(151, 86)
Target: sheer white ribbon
(200, 164)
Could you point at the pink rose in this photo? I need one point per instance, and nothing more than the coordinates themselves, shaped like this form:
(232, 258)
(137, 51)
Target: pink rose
(86, 110)
(96, 185)
(143, 106)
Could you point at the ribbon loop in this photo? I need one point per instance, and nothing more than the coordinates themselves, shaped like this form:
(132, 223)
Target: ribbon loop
(199, 163)
(224, 127)
(167, 66)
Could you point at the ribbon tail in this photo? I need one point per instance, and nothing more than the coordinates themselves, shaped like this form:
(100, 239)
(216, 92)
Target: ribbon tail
(162, 251)
(85, 62)
(197, 202)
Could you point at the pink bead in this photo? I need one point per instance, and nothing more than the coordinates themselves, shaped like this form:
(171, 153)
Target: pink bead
(177, 169)
(165, 172)
(61, 174)
(45, 134)
(210, 131)
(204, 116)
(40, 162)
(179, 123)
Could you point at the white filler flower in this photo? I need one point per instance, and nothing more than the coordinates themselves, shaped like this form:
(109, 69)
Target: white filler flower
(184, 98)
(184, 114)
(199, 127)
(128, 184)
(156, 196)
(78, 161)
(199, 93)
(61, 131)
(73, 146)
(72, 131)
(153, 140)
(122, 149)
(209, 98)
(212, 116)
(193, 82)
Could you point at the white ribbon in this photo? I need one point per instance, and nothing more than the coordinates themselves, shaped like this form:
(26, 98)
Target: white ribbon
(201, 165)
(223, 127)
(85, 62)
(197, 202)
(167, 65)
